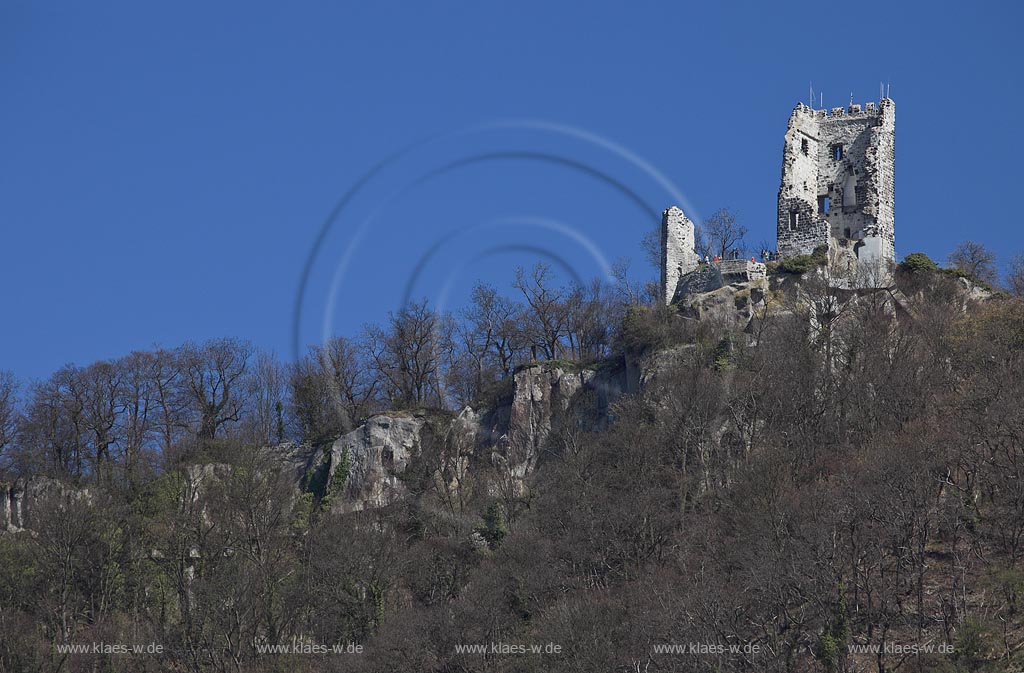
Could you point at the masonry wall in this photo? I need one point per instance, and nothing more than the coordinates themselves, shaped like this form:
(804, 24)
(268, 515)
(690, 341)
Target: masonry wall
(858, 227)
(678, 256)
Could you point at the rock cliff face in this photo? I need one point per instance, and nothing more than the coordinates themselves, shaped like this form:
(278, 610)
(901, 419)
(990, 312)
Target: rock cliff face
(11, 506)
(20, 499)
(366, 464)
(545, 395)
(369, 467)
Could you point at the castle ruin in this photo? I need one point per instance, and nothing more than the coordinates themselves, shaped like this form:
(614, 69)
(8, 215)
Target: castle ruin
(837, 196)
(678, 254)
(838, 189)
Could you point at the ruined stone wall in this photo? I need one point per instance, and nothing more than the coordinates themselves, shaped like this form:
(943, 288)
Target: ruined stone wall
(710, 277)
(799, 228)
(857, 223)
(741, 270)
(881, 178)
(678, 257)
(704, 279)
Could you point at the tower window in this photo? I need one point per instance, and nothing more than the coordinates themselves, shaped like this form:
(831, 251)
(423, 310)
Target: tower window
(823, 204)
(850, 192)
(794, 220)
(837, 152)
(805, 147)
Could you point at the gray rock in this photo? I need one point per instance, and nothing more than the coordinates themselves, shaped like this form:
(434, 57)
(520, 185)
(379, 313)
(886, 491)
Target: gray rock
(374, 455)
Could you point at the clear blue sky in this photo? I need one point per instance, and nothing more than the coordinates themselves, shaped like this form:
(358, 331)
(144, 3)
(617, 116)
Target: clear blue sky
(165, 168)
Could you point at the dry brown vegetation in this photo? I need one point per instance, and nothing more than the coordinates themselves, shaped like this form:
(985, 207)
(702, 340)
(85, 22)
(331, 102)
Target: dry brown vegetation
(852, 480)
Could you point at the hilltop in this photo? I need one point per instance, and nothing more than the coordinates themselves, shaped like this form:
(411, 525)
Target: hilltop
(780, 465)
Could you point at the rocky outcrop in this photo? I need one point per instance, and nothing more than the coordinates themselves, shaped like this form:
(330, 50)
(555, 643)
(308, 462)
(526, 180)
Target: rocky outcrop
(972, 293)
(735, 303)
(366, 464)
(545, 394)
(11, 497)
(21, 499)
(709, 277)
(367, 468)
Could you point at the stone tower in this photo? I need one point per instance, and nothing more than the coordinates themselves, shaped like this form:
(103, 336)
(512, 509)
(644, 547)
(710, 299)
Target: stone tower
(678, 256)
(838, 190)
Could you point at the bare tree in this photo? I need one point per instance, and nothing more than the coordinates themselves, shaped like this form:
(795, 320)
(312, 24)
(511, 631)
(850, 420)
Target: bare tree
(589, 317)
(477, 333)
(311, 403)
(8, 411)
(721, 234)
(353, 384)
(169, 394)
(629, 292)
(98, 393)
(546, 315)
(489, 335)
(138, 402)
(332, 389)
(1015, 275)
(72, 420)
(51, 429)
(214, 380)
(268, 399)
(651, 245)
(975, 260)
(411, 354)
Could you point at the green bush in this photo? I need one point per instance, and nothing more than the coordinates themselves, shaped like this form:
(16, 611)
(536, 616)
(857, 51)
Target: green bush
(493, 530)
(341, 472)
(645, 329)
(797, 265)
(800, 264)
(302, 514)
(723, 355)
(571, 366)
(1010, 584)
(336, 484)
(495, 393)
(828, 652)
(971, 641)
(315, 480)
(960, 273)
(918, 262)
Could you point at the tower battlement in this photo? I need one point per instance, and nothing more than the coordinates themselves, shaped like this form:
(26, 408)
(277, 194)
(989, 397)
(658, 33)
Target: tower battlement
(853, 110)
